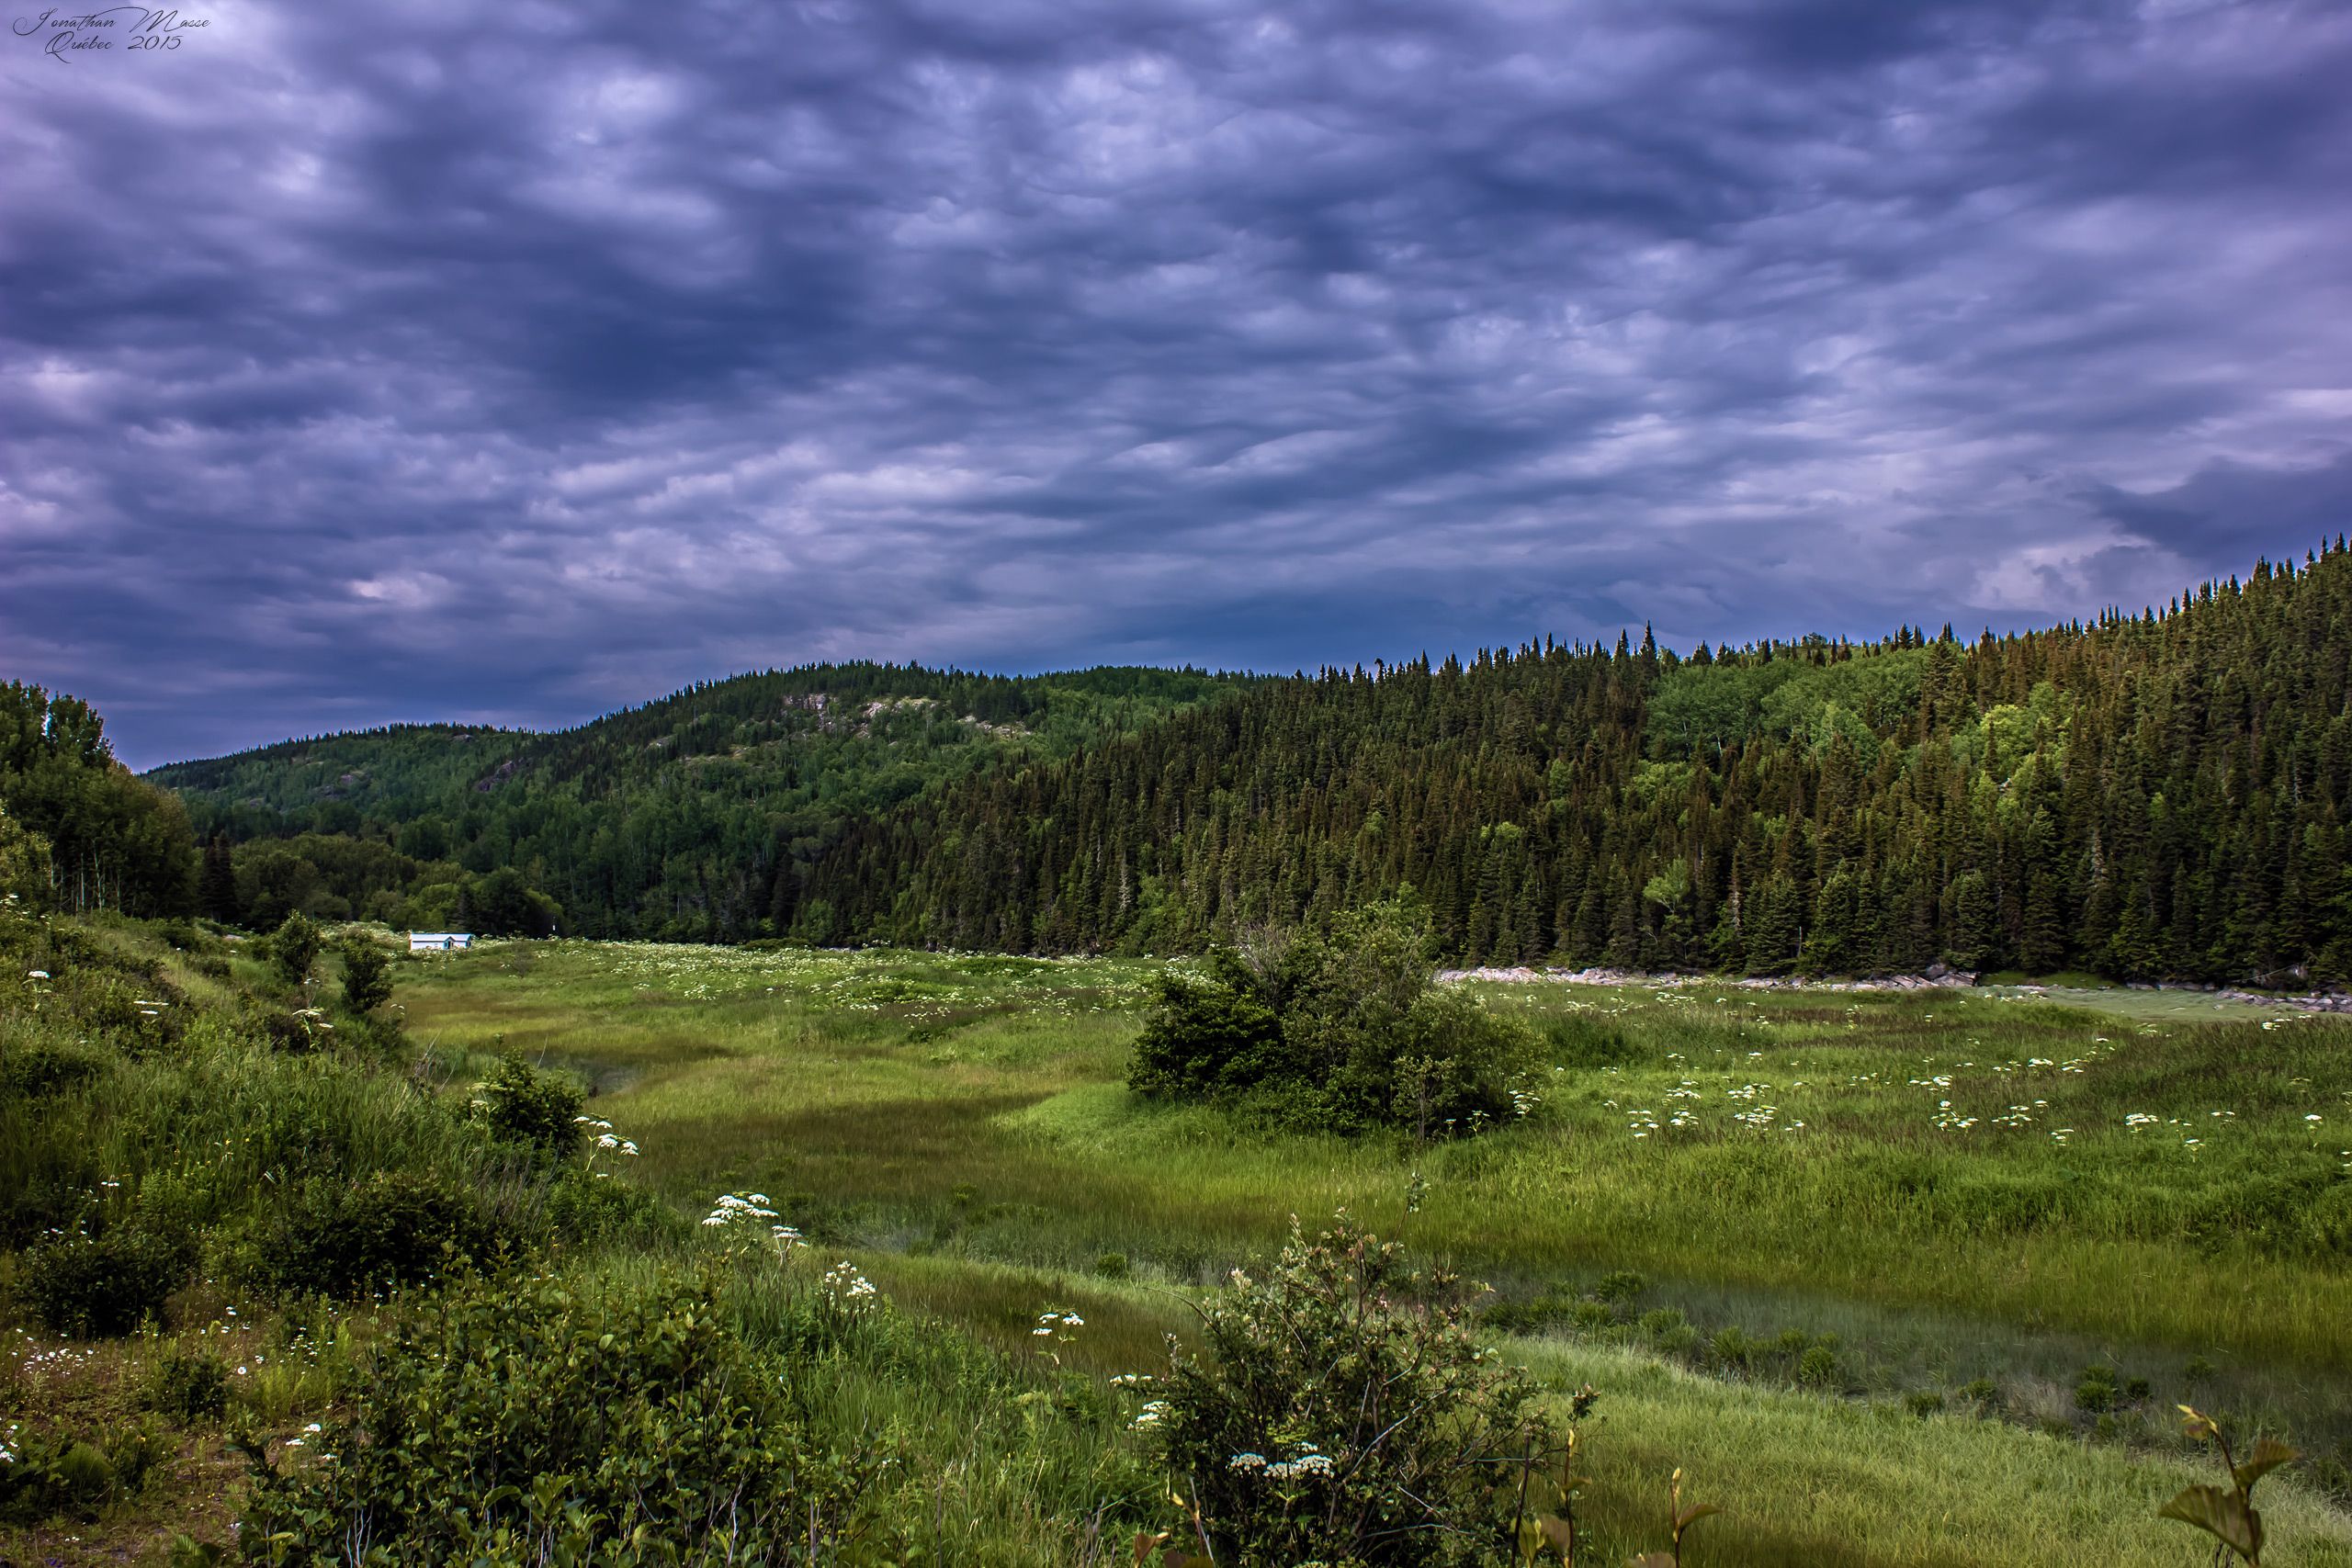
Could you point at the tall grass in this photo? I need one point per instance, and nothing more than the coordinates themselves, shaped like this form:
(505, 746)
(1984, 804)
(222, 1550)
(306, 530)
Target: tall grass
(1953, 1184)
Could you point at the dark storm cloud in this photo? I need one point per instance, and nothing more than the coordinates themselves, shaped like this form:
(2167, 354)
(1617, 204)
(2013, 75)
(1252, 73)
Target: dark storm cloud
(514, 362)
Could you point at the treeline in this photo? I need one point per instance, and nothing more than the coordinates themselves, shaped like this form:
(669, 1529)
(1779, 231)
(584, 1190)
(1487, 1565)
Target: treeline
(78, 831)
(2158, 796)
(679, 819)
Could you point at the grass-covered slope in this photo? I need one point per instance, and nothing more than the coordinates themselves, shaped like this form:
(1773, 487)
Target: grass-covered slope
(685, 816)
(1900, 1279)
(1876, 1327)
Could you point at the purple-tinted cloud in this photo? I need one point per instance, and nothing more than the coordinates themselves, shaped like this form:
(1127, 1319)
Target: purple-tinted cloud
(510, 363)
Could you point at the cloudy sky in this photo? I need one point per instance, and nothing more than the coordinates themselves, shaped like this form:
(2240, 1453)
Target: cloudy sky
(515, 361)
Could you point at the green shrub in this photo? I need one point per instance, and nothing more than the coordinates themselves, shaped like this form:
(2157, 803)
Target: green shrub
(367, 976)
(589, 1209)
(540, 1109)
(106, 1285)
(1208, 1035)
(1621, 1286)
(2101, 1389)
(1337, 1031)
(188, 1385)
(39, 1071)
(1818, 1366)
(511, 1425)
(58, 1473)
(395, 1227)
(296, 1033)
(294, 949)
(1112, 1266)
(1343, 1413)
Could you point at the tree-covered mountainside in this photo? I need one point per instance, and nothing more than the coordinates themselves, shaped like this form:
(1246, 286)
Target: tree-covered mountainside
(673, 819)
(2151, 795)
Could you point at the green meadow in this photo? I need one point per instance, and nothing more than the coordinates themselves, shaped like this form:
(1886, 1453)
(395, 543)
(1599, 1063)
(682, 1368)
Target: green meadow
(1910, 1278)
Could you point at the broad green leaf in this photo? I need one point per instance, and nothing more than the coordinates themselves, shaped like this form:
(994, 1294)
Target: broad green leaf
(1692, 1514)
(2221, 1515)
(2268, 1455)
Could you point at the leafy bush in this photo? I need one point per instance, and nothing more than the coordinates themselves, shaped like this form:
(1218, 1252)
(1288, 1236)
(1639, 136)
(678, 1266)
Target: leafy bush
(294, 948)
(528, 1106)
(508, 1426)
(1343, 1413)
(57, 1474)
(584, 1208)
(38, 1070)
(395, 1227)
(1818, 1366)
(367, 976)
(188, 1385)
(1341, 1031)
(105, 1284)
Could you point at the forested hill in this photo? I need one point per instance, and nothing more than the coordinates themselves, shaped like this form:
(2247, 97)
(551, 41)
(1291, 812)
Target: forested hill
(2159, 795)
(672, 819)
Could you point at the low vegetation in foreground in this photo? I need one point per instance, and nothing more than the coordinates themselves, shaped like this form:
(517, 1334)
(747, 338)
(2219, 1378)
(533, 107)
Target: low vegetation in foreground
(568, 1251)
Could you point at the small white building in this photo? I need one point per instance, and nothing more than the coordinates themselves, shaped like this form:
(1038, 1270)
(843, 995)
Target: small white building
(439, 942)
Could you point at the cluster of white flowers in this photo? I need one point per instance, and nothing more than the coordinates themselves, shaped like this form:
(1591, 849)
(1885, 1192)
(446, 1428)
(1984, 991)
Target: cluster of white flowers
(746, 1209)
(1154, 1411)
(1309, 1462)
(735, 1208)
(1523, 1100)
(605, 1137)
(37, 1364)
(1951, 1120)
(1133, 1380)
(7, 1450)
(845, 1282)
(2140, 1119)
(1052, 1324)
(2019, 1115)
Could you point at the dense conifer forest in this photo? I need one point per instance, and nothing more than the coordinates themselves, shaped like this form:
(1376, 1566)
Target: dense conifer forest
(2151, 795)
(2158, 796)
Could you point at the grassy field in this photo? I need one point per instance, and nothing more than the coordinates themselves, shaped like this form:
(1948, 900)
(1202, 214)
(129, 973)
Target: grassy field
(2011, 1232)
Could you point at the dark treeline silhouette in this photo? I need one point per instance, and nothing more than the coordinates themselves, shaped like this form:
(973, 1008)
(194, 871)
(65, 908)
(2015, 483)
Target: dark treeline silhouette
(2151, 795)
